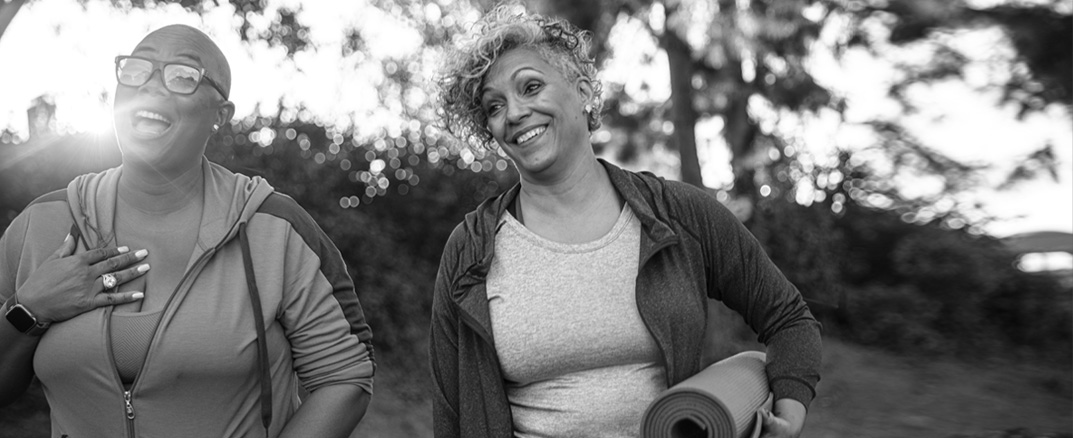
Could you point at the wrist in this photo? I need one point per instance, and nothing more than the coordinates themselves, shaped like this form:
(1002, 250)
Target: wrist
(23, 319)
(792, 411)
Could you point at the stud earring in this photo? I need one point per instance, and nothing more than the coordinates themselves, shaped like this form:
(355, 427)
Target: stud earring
(215, 127)
(588, 108)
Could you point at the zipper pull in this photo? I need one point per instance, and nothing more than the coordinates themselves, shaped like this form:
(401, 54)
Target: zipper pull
(130, 407)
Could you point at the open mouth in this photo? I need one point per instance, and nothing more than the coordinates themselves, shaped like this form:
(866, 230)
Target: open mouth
(529, 135)
(149, 123)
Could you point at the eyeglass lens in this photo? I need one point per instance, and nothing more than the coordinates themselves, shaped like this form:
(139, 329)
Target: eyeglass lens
(178, 78)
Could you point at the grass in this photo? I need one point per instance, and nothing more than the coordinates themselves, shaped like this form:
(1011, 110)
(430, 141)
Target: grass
(872, 393)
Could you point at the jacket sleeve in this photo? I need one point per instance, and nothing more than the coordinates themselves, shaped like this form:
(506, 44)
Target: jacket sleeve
(742, 276)
(11, 246)
(321, 317)
(443, 341)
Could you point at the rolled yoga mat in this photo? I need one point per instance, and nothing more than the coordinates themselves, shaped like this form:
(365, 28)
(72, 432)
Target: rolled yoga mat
(722, 401)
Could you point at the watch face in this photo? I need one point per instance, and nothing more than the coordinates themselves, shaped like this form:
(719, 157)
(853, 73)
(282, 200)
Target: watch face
(21, 318)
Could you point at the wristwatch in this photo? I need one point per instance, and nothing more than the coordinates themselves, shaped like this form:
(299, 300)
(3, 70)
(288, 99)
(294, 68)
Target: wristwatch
(23, 320)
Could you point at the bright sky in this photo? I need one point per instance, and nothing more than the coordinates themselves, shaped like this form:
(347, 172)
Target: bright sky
(65, 50)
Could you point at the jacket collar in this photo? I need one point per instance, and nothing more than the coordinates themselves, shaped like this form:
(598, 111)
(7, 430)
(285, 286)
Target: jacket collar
(230, 199)
(642, 191)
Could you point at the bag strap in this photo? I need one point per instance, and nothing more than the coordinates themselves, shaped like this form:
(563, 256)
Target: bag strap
(262, 342)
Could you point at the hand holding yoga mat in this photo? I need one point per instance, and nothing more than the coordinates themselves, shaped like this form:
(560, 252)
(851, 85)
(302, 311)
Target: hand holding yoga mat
(719, 402)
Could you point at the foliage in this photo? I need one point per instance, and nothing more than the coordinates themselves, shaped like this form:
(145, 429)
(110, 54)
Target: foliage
(906, 271)
(804, 243)
(929, 288)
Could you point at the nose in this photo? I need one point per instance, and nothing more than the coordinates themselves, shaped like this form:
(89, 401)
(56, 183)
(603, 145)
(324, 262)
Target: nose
(155, 84)
(516, 110)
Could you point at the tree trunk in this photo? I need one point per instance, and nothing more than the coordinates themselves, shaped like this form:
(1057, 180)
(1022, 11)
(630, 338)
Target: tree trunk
(680, 61)
(740, 133)
(8, 9)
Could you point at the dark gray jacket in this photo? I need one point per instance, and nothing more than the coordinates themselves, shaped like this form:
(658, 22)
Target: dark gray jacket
(692, 249)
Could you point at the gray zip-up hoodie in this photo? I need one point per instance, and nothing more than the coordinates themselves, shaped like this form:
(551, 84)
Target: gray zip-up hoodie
(692, 249)
(200, 377)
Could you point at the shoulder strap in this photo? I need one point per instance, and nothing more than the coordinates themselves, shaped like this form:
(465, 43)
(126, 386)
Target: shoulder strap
(262, 343)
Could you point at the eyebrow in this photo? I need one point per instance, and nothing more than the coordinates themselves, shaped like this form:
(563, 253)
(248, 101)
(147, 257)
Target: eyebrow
(192, 57)
(485, 90)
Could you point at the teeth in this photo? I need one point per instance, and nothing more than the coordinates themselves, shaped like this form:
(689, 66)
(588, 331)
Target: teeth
(151, 115)
(529, 135)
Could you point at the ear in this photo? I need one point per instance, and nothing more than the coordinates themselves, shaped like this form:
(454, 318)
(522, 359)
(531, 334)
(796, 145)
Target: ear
(224, 113)
(584, 90)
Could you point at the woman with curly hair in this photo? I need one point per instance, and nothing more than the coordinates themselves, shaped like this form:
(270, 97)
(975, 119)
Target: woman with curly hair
(566, 305)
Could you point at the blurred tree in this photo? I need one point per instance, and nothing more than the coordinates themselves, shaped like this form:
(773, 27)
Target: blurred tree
(385, 188)
(8, 9)
(719, 56)
(745, 65)
(1041, 71)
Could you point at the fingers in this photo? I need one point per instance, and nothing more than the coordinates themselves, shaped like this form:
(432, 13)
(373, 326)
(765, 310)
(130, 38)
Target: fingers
(116, 259)
(95, 256)
(112, 299)
(123, 276)
(767, 417)
(65, 249)
(768, 423)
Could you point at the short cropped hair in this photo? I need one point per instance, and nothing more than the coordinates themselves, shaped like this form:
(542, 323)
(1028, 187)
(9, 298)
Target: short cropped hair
(502, 29)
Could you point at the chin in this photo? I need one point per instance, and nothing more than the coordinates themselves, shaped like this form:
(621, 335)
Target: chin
(536, 165)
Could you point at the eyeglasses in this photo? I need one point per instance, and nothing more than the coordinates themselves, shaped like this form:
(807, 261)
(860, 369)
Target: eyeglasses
(178, 78)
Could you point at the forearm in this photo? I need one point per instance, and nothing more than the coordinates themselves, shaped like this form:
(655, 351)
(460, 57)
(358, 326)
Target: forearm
(16, 362)
(330, 411)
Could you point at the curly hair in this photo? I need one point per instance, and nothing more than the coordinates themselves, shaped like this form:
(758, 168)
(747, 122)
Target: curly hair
(500, 30)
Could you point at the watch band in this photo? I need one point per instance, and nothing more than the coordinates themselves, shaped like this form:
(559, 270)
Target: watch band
(22, 319)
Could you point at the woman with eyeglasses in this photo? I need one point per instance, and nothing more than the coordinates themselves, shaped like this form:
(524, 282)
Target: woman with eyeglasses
(564, 306)
(172, 297)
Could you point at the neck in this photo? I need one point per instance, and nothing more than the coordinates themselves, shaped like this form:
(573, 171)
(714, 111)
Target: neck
(585, 187)
(154, 193)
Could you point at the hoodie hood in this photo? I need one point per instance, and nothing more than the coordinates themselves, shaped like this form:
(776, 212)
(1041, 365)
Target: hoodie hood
(230, 200)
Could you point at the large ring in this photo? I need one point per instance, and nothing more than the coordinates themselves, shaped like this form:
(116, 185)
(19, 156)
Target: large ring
(109, 280)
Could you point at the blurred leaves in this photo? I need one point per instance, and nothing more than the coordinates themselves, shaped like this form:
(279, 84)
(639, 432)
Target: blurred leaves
(1039, 32)
(1037, 164)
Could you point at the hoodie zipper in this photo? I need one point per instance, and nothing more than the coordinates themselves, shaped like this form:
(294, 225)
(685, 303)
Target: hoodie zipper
(130, 414)
(128, 398)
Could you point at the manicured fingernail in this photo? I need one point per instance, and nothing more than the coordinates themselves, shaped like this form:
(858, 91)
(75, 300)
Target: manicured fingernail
(123, 249)
(137, 295)
(142, 253)
(143, 268)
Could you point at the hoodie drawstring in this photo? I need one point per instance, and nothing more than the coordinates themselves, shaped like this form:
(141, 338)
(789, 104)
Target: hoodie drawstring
(262, 343)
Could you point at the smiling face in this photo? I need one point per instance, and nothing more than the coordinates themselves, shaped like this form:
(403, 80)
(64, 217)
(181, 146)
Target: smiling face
(536, 114)
(163, 130)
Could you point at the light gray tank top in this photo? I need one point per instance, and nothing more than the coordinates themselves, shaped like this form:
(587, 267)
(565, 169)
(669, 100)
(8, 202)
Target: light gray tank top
(131, 334)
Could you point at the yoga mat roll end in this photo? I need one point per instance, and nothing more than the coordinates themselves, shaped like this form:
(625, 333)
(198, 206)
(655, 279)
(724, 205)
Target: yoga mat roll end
(721, 401)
